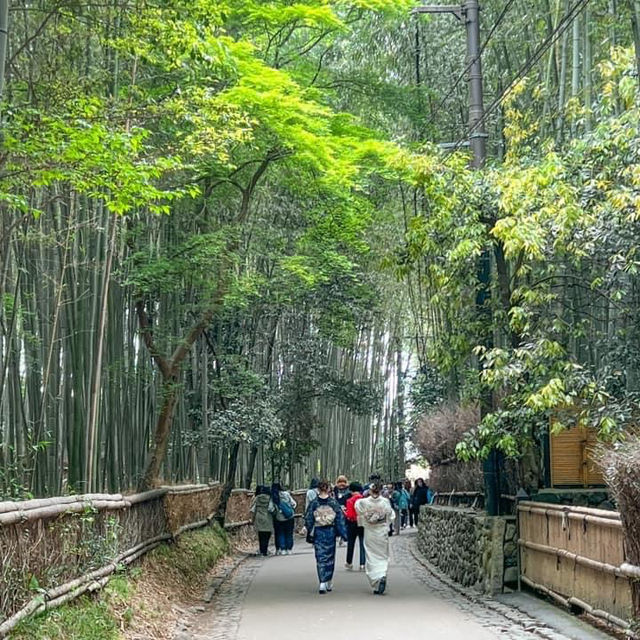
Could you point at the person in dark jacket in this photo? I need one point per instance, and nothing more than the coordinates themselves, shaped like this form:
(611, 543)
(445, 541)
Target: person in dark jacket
(341, 491)
(421, 495)
(354, 530)
(409, 490)
(324, 521)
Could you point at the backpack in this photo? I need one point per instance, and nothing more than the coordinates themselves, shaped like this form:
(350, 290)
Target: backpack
(324, 516)
(286, 510)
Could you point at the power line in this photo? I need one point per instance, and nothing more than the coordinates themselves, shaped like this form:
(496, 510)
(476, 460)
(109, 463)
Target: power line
(528, 65)
(459, 79)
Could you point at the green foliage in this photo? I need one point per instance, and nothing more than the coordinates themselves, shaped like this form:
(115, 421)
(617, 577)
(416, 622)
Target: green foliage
(85, 618)
(561, 224)
(193, 554)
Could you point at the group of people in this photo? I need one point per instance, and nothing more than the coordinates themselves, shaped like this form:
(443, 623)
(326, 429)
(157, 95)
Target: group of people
(273, 512)
(407, 500)
(347, 512)
(350, 512)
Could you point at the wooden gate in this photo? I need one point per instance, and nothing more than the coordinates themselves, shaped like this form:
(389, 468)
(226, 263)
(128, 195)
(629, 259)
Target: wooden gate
(576, 555)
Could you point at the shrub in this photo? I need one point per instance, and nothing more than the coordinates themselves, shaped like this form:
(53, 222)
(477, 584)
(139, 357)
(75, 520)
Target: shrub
(621, 466)
(436, 436)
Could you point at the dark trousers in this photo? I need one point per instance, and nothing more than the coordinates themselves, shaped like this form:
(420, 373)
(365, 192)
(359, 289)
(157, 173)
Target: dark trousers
(412, 516)
(416, 514)
(404, 513)
(354, 532)
(263, 541)
(284, 534)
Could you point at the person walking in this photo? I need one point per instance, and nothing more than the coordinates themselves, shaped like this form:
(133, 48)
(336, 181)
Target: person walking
(282, 507)
(389, 493)
(354, 530)
(261, 518)
(421, 495)
(375, 514)
(341, 493)
(409, 489)
(400, 501)
(312, 493)
(325, 522)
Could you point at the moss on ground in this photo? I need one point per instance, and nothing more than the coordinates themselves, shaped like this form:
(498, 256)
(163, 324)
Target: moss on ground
(129, 599)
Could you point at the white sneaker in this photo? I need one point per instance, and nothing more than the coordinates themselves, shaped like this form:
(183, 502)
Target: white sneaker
(329, 586)
(278, 552)
(323, 588)
(348, 566)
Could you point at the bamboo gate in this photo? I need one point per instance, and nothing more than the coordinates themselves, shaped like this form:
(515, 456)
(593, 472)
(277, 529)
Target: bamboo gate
(576, 555)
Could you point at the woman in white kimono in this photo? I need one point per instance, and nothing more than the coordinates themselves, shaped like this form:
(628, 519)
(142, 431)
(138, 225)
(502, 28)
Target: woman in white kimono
(375, 514)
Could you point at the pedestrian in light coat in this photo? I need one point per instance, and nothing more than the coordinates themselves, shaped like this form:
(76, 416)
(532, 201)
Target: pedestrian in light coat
(261, 518)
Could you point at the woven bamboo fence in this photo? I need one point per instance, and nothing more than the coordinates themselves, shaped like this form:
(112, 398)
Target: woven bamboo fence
(53, 550)
(576, 555)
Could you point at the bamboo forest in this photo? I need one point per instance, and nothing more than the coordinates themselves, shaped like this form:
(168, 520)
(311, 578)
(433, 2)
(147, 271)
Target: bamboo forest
(248, 240)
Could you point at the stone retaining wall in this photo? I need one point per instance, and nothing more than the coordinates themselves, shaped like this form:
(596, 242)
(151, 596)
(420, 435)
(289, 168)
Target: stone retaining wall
(470, 547)
(595, 498)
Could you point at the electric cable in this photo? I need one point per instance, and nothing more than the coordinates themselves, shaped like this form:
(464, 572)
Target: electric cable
(568, 19)
(459, 79)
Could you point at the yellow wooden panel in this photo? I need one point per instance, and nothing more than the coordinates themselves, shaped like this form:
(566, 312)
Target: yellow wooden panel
(572, 458)
(566, 457)
(594, 472)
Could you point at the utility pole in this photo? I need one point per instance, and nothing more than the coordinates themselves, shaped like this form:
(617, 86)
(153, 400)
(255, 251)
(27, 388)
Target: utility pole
(469, 13)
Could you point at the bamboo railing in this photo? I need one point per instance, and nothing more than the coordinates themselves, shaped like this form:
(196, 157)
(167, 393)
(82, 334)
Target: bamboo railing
(576, 555)
(45, 538)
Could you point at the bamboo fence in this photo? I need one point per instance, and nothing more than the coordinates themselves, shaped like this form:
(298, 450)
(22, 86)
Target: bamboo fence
(55, 549)
(576, 555)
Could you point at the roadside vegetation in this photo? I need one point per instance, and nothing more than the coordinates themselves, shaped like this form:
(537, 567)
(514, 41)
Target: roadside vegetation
(145, 600)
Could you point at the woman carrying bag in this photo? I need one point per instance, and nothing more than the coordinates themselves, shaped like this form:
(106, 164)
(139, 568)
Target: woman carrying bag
(282, 507)
(375, 514)
(325, 522)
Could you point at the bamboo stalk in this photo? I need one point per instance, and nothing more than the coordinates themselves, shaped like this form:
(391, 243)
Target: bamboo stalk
(27, 505)
(623, 571)
(567, 602)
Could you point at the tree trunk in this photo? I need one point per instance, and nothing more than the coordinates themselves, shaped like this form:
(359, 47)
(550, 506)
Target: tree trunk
(251, 464)
(161, 438)
(4, 39)
(229, 484)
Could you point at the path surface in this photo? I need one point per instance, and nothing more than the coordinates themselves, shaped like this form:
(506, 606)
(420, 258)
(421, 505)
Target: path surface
(276, 599)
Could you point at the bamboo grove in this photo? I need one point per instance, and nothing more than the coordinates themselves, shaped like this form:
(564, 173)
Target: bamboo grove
(235, 242)
(186, 280)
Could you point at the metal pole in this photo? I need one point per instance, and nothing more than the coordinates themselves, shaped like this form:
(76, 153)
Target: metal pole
(478, 144)
(477, 134)
(470, 13)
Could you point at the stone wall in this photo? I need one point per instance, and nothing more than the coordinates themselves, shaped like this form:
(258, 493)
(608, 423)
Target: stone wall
(470, 547)
(595, 498)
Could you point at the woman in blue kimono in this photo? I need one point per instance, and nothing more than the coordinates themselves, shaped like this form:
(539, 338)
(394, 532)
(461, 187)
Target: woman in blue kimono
(325, 521)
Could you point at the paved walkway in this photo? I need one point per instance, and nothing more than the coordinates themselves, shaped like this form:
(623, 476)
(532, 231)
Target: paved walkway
(276, 599)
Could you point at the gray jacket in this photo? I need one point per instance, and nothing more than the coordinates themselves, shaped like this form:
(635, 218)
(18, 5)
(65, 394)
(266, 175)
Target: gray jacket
(262, 519)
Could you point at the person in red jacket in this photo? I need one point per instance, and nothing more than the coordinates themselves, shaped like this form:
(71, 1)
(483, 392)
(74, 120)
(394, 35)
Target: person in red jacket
(354, 531)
